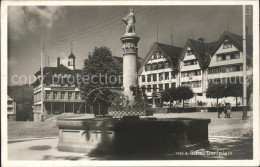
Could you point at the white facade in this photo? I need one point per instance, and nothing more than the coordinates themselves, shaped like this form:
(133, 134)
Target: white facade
(11, 108)
(226, 65)
(157, 74)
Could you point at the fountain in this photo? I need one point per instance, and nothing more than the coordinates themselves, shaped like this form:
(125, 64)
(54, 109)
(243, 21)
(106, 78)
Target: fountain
(130, 134)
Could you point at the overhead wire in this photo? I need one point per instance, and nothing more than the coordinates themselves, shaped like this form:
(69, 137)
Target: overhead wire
(115, 18)
(86, 35)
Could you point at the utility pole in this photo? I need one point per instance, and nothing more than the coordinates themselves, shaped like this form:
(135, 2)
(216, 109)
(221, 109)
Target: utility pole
(42, 88)
(172, 38)
(220, 31)
(244, 64)
(157, 32)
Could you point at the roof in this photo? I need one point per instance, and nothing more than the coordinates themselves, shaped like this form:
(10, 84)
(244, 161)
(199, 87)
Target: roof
(237, 41)
(72, 55)
(61, 69)
(201, 50)
(171, 53)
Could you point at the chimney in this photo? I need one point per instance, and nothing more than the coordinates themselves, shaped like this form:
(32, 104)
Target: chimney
(201, 40)
(58, 61)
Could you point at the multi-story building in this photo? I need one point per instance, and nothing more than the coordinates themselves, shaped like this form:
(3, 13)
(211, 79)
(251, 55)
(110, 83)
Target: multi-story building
(61, 92)
(11, 108)
(197, 64)
(159, 68)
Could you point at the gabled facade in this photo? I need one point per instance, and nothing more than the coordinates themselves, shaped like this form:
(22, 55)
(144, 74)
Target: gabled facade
(197, 64)
(159, 68)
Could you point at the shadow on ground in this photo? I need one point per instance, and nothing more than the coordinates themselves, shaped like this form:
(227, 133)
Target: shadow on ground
(41, 147)
(219, 149)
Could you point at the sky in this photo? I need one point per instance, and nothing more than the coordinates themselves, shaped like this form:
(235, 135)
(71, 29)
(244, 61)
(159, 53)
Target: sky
(85, 27)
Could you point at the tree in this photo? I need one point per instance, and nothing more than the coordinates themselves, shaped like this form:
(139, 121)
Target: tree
(184, 93)
(101, 69)
(235, 90)
(169, 95)
(216, 90)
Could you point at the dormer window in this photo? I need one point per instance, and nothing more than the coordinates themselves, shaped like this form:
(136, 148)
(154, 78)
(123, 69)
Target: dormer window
(189, 52)
(227, 44)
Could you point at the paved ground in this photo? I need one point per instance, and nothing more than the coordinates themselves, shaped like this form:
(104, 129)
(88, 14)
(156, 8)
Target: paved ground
(236, 143)
(46, 149)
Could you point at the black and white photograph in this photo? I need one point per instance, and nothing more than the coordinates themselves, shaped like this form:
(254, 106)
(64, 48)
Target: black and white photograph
(129, 83)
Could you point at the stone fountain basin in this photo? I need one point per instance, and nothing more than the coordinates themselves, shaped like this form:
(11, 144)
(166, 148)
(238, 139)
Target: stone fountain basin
(128, 136)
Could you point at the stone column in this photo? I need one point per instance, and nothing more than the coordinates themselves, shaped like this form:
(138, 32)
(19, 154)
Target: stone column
(130, 52)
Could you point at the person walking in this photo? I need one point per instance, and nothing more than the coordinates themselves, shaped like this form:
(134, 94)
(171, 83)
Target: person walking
(219, 110)
(229, 110)
(225, 110)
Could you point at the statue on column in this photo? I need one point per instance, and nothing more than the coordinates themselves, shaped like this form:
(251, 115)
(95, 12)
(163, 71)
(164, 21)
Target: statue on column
(129, 21)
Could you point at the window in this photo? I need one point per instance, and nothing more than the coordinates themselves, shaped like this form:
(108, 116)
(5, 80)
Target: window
(160, 76)
(166, 65)
(160, 65)
(70, 95)
(55, 95)
(155, 56)
(173, 85)
(10, 102)
(160, 87)
(148, 67)
(227, 44)
(154, 77)
(155, 88)
(143, 78)
(77, 95)
(148, 88)
(166, 86)
(228, 57)
(173, 76)
(189, 52)
(62, 95)
(48, 95)
(149, 77)
(155, 66)
(166, 75)
(190, 62)
(237, 55)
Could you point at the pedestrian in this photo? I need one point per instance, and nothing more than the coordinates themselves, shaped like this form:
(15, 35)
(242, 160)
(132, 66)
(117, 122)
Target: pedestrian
(219, 110)
(225, 110)
(229, 110)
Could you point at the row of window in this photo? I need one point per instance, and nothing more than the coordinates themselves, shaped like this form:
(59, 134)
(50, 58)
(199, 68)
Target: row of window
(190, 62)
(161, 76)
(62, 95)
(159, 87)
(157, 66)
(227, 44)
(193, 84)
(225, 69)
(227, 80)
(156, 55)
(57, 95)
(228, 56)
(9, 102)
(191, 73)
